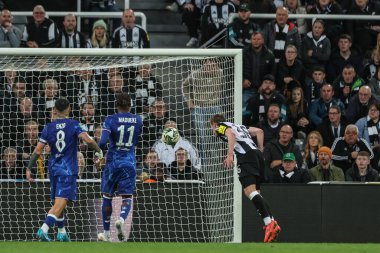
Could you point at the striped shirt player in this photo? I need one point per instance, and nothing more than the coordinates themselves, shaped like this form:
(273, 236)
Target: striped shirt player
(130, 35)
(250, 165)
(62, 137)
(123, 130)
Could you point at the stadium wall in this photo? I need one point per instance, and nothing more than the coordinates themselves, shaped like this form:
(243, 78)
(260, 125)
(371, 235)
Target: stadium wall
(318, 213)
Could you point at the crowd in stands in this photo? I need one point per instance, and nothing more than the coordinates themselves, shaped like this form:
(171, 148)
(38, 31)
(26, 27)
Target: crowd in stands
(312, 86)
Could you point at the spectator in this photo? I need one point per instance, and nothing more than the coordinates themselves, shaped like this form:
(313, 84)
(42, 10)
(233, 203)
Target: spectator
(214, 19)
(191, 17)
(258, 61)
(314, 85)
(41, 32)
(347, 84)
(272, 124)
(359, 104)
(130, 35)
(319, 108)
(274, 150)
(258, 104)
(26, 145)
(288, 69)
(369, 129)
(166, 152)
(240, 31)
(361, 170)
(150, 163)
(296, 7)
(10, 35)
(316, 47)
(262, 6)
(281, 32)
(297, 112)
(83, 87)
(345, 149)
(374, 83)
(288, 173)
(109, 95)
(325, 170)
(333, 27)
(11, 167)
(313, 142)
(370, 69)
(99, 37)
(333, 126)
(204, 98)
(81, 166)
(181, 168)
(364, 32)
(48, 96)
(346, 54)
(69, 36)
(145, 88)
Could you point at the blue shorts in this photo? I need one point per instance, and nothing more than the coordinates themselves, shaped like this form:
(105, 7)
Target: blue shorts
(63, 187)
(120, 177)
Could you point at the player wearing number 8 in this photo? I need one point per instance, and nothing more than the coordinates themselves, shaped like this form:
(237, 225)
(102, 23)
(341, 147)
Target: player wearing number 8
(123, 130)
(62, 137)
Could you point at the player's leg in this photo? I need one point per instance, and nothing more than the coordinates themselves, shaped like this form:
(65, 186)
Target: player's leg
(106, 215)
(125, 209)
(126, 187)
(108, 187)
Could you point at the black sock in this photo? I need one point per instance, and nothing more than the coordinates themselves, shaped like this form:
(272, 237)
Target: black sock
(261, 206)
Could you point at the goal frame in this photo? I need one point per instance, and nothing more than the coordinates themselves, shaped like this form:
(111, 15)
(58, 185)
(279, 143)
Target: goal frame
(238, 64)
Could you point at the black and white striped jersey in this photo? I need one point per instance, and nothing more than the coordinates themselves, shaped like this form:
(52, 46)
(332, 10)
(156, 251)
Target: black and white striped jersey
(244, 142)
(135, 37)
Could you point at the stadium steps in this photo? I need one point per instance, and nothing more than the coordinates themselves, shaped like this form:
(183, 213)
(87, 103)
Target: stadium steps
(165, 28)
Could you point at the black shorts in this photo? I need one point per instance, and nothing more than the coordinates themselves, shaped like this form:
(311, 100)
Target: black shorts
(250, 168)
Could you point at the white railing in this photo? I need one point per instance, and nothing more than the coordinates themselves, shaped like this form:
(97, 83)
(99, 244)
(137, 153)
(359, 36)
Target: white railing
(84, 15)
(311, 16)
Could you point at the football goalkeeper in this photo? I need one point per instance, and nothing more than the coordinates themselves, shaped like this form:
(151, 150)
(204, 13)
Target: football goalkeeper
(62, 137)
(123, 130)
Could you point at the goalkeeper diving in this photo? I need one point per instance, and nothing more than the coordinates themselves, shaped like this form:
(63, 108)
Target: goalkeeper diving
(62, 136)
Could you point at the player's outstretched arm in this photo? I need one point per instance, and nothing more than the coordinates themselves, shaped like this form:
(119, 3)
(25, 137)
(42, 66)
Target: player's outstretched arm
(259, 133)
(229, 161)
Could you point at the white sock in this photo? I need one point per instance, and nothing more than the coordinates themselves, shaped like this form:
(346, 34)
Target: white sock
(62, 230)
(253, 194)
(45, 228)
(267, 221)
(107, 233)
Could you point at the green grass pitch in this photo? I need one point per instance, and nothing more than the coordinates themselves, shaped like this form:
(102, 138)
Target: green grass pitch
(94, 247)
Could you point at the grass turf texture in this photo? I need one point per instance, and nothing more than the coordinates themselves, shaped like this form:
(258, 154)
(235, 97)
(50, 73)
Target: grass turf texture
(101, 247)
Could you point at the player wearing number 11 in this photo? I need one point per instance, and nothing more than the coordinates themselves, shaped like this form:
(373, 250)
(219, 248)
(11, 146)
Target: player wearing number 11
(62, 137)
(123, 130)
(250, 166)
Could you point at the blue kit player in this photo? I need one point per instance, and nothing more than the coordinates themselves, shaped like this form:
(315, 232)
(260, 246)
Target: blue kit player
(62, 137)
(123, 131)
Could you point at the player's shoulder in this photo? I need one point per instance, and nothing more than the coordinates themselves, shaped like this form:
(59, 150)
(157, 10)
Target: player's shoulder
(222, 127)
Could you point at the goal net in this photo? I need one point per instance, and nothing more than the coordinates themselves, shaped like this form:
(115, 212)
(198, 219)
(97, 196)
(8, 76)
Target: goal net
(180, 88)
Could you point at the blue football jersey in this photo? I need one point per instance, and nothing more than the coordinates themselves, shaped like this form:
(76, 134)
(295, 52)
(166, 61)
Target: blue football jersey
(62, 137)
(124, 130)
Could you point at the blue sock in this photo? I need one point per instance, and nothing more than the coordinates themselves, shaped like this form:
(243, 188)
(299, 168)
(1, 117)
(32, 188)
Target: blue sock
(106, 212)
(60, 222)
(125, 208)
(50, 220)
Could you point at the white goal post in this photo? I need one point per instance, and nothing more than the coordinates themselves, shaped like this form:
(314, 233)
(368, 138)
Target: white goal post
(213, 203)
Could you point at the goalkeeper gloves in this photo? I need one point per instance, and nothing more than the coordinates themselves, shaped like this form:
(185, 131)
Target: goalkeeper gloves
(99, 155)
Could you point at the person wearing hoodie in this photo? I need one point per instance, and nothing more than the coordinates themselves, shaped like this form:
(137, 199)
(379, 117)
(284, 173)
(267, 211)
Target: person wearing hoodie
(361, 170)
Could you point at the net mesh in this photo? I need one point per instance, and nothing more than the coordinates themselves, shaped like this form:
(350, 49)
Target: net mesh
(186, 90)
